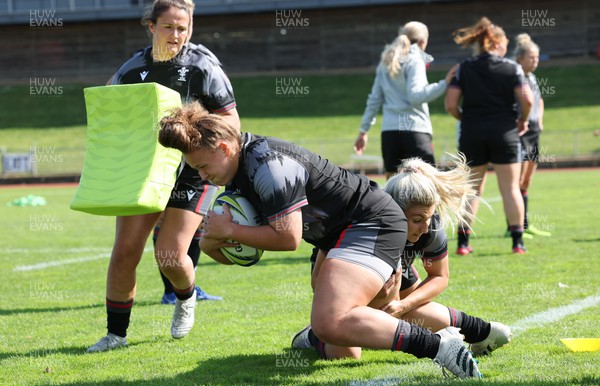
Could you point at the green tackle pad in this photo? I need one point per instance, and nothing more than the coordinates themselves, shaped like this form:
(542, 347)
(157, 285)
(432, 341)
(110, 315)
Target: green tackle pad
(126, 171)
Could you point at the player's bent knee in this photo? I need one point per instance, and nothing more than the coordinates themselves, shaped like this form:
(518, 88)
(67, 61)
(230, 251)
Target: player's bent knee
(327, 330)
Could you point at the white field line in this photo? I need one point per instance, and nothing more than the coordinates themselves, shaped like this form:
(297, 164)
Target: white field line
(59, 263)
(494, 199)
(554, 314)
(536, 320)
(11, 251)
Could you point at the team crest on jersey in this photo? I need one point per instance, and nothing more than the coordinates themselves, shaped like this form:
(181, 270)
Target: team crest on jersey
(182, 73)
(143, 74)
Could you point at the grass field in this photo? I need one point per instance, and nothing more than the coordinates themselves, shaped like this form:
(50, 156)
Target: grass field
(54, 264)
(54, 260)
(325, 119)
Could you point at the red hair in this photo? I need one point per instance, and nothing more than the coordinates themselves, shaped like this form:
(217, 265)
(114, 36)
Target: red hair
(482, 36)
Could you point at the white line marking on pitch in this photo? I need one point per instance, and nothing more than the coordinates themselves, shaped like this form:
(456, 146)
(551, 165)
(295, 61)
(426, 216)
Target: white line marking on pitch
(59, 263)
(10, 251)
(554, 314)
(522, 325)
(494, 199)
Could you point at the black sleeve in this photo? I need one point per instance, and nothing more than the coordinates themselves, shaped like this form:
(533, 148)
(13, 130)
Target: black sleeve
(216, 92)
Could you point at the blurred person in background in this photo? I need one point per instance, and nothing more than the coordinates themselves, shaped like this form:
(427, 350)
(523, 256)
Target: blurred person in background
(527, 54)
(488, 85)
(402, 89)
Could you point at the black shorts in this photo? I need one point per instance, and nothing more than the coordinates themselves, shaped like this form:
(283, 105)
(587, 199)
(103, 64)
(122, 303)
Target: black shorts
(481, 146)
(530, 142)
(399, 145)
(409, 277)
(191, 192)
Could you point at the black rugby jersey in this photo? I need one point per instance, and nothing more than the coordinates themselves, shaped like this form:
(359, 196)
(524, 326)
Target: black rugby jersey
(488, 82)
(195, 73)
(431, 246)
(279, 177)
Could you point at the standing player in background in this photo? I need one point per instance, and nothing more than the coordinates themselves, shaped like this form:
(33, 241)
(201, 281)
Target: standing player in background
(490, 126)
(196, 74)
(402, 89)
(431, 199)
(527, 54)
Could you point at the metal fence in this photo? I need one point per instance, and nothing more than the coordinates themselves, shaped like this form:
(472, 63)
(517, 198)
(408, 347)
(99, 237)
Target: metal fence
(556, 148)
(10, 10)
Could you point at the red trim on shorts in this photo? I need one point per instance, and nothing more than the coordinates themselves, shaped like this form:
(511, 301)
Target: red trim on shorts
(399, 344)
(337, 245)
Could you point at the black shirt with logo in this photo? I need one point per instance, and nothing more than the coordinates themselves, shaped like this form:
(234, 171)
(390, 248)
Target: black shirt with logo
(195, 73)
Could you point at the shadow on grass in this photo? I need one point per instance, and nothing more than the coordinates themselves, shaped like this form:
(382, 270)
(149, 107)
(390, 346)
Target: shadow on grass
(15, 311)
(587, 240)
(288, 367)
(264, 369)
(100, 304)
(47, 352)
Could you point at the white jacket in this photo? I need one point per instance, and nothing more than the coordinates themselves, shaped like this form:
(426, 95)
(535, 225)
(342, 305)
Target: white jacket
(405, 97)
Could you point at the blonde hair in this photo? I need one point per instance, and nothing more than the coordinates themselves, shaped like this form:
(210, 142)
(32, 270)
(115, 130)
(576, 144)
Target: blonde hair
(394, 53)
(418, 183)
(524, 44)
(158, 7)
(192, 127)
(482, 36)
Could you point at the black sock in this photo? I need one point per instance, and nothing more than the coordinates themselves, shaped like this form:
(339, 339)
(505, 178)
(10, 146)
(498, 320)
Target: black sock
(516, 232)
(525, 199)
(313, 259)
(117, 316)
(474, 329)
(166, 282)
(463, 236)
(312, 338)
(184, 294)
(194, 249)
(416, 340)
(317, 344)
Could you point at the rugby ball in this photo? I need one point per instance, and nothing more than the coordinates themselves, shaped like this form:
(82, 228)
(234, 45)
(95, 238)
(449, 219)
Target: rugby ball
(243, 213)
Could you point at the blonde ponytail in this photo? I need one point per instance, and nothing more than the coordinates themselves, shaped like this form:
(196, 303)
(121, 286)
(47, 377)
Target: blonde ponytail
(417, 183)
(395, 53)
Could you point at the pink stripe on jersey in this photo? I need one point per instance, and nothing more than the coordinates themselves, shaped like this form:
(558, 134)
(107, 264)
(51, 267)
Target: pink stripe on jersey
(288, 210)
(226, 108)
(197, 209)
(438, 257)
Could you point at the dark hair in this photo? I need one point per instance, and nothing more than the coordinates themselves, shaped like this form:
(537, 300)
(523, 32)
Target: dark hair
(192, 127)
(157, 8)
